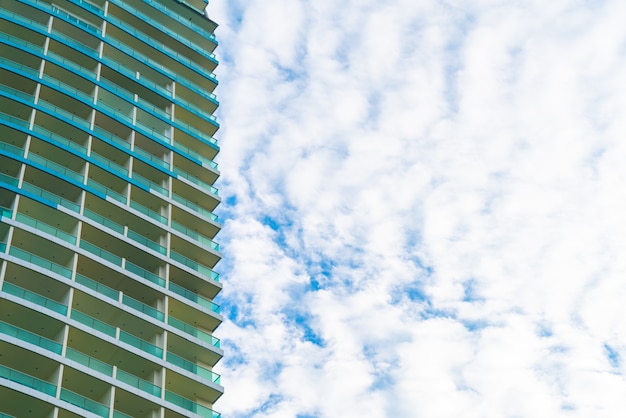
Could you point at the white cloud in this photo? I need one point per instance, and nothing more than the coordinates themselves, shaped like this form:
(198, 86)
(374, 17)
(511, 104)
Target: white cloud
(424, 208)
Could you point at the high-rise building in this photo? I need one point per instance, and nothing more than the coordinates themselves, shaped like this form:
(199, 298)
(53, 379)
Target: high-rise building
(106, 209)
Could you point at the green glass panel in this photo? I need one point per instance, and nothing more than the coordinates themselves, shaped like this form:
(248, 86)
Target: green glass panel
(101, 253)
(34, 298)
(84, 403)
(30, 337)
(194, 297)
(98, 287)
(88, 361)
(48, 229)
(93, 323)
(41, 262)
(27, 380)
(140, 384)
(144, 273)
(142, 307)
(141, 344)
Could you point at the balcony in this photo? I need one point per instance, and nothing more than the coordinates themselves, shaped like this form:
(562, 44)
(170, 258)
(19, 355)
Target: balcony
(40, 262)
(190, 405)
(30, 337)
(193, 331)
(34, 298)
(84, 403)
(27, 380)
(112, 331)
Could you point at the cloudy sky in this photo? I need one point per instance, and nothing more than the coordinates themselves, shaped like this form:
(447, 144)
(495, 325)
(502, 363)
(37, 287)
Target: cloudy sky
(424, 208)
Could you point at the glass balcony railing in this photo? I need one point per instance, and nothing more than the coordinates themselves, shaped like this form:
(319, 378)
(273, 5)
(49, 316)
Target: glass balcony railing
(12, 149)
(35, 298)
(90, 74)
(205, 242)
(195, 180)
(12, 120)
(98, 287)
(74, 20)
(115, 295)
(188, 151)
(203, 270)
(44, 194)
(5, 178)
(193, 331)
(89, 51)
(106, 191)
(123, 231)
(9, 91)
(28, 381)
(84, 403)
(122, 171)
(111, 331)
(118, 414)
(44, 227)
(141, 344)
(152, 214)
(190, 405)
(150, 184)
(109, 164)
(143, 308)
(167, 30)
(58, 139)
(138, 383)
(29, 337)
(194, 207)
(166, 50)
(107, 369)
(65, 172)
(135, 33)
(193, 368)
(154, 278)
(104, 254)
(146, 242)
(41, 262)
(103, 221)
(6, 212)
(152, 158)
(194, 297)
(89, 361)
(159, 5)
(23, 69)
(93, 323)
(120, 262)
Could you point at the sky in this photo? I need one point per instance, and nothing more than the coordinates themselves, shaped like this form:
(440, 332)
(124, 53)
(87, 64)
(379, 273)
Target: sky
(424, 208)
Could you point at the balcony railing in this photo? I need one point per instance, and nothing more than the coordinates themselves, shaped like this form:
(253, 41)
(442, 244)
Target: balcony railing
(115, 295)
(196, 236)
(84, 403)
(30, 337)
(201, 269)
(27, 380)
(35, 298)
(193, 331)
(111, 331)
(46, 228)
(194, 297)
(40, 261)
(138, 383)
(89, 361)
(193, 368)
(190, 405)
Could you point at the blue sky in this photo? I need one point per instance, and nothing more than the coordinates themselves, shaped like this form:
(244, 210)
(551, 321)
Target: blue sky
(424, 208)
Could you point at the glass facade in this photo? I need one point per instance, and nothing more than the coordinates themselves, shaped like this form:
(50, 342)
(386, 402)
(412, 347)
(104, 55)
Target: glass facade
(106, 209)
